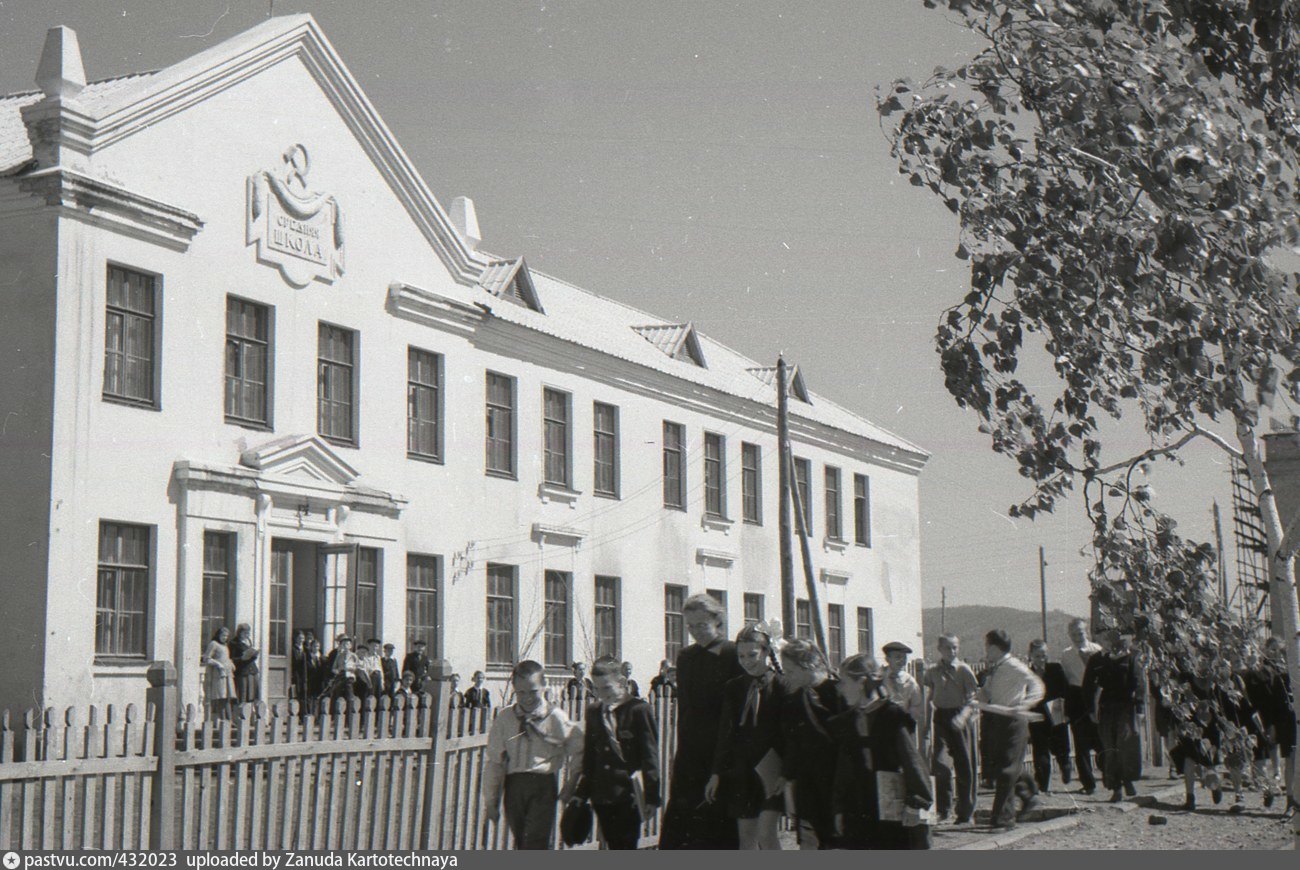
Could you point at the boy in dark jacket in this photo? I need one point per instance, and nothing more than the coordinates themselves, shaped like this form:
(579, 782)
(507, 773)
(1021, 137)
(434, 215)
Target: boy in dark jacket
(620, 740)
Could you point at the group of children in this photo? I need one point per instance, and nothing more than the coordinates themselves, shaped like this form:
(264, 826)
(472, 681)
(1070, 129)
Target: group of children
(764, 728)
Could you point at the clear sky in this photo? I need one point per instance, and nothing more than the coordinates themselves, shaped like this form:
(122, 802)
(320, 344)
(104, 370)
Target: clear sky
(713, 161)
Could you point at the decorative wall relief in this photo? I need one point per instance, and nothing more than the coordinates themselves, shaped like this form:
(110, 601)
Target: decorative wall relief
(298, 229)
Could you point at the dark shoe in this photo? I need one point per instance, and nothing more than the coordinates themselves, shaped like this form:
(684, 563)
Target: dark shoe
(1088, 789)
(1116, 796)
(1004, 826)
(964, 820)
(1237, 806)
(1268, 799)
(1130, 789)
(1217, 794)
(1027, 806)
(1190, 803)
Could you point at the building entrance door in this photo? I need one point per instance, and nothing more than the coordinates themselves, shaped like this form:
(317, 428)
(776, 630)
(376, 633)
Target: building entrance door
(296, 597)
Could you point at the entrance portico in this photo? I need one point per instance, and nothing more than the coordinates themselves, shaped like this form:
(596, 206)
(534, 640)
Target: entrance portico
(309, 547)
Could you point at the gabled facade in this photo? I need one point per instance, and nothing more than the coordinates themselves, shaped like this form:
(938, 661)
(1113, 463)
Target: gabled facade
(259, 375)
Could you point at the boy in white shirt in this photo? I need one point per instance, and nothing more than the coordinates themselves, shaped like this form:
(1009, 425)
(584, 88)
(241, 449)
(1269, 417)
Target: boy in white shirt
(530, 746)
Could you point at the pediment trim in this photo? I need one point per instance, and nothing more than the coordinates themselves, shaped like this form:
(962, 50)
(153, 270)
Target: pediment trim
(299, 456)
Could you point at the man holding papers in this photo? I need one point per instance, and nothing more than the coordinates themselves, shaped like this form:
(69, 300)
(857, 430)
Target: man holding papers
(1049, 738)
(1009, 692)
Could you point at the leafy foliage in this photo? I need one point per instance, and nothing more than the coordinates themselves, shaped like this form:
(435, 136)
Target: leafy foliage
(1125, 174)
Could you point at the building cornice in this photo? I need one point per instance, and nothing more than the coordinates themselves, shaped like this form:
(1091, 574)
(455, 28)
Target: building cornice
(433, 309)
(112, 206)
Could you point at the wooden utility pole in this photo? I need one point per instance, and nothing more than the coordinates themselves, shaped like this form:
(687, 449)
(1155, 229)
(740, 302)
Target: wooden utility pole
(1042, 587)
(1218, 549)
(943, 610)
(783, 507)
(814, 604)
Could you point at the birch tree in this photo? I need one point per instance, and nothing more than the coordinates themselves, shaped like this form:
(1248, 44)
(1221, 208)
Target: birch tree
(1125, 177)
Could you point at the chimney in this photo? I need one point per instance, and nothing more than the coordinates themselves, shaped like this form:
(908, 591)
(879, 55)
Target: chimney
(464, 218)
(61, 73)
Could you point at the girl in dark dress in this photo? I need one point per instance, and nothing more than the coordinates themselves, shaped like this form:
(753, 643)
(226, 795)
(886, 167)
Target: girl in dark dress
(315, 669)
(876, 748)
(703, 668)
(298, 660)
(248, 676)
(811, 750)
(1198, 757)
(749, 741)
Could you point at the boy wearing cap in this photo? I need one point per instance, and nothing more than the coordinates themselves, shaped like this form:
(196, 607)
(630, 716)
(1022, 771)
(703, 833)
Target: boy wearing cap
(620, 742)
(392, 677)
(530, 744)
(900, 686)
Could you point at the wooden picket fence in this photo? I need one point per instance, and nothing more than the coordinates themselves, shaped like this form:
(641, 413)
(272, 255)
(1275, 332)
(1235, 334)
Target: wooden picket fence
(386, 775)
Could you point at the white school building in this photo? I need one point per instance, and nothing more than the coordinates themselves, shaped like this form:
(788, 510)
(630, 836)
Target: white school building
(255, 372)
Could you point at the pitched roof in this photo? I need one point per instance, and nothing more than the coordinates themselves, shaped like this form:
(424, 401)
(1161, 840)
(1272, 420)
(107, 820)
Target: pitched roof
(540, 303)
(15, 147)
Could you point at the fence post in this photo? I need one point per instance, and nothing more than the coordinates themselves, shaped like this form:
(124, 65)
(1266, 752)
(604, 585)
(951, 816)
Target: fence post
(162, 814)
(431, 823)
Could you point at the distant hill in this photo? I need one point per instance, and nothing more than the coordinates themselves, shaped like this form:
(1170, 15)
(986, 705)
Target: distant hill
(970, 622)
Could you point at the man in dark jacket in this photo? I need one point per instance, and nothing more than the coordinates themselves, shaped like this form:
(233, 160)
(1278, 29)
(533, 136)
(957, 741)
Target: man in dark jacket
(1115, 687)
(620, 743)
(417, 663)
(1050, 737)
(392, 678)
(703, 668)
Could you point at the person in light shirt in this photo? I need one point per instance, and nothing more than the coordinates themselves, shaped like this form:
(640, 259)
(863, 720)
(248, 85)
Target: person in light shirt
(901, 686)
(952, 686)
(1010, 689)
(1087, 739)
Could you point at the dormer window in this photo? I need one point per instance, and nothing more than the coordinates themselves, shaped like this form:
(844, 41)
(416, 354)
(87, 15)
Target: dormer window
(677, 340)
(511, 281)
(794, 384)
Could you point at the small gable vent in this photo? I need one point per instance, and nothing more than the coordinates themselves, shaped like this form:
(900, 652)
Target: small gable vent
(793, 380)
(510, 280)
(677, 340)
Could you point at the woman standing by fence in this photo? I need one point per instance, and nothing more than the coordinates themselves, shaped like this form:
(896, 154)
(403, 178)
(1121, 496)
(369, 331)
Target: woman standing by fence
(219, 675)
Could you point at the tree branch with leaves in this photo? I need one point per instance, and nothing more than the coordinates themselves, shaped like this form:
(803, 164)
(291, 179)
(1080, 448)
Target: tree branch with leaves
(1125, 176)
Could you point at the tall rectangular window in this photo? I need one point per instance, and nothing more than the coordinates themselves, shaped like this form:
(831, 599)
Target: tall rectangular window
(803, 619)
(122, 590)
(835, 633)
(802, 478)
(248, 362)
(336, 416)
(866, 632)
(555, 437)
(556, 620)
(423, 404)
(501, 647)
(715, 475)
(605, 444)
(674, 621)
(423, 577)
(753, 608)
(365, 595)
(674, 465)
(862, 510)
(834, 519)
(130, 336)
(607, 622)
(278, 621)
(751, 483)
(218, 583)
(720, 595)
(500, 424)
